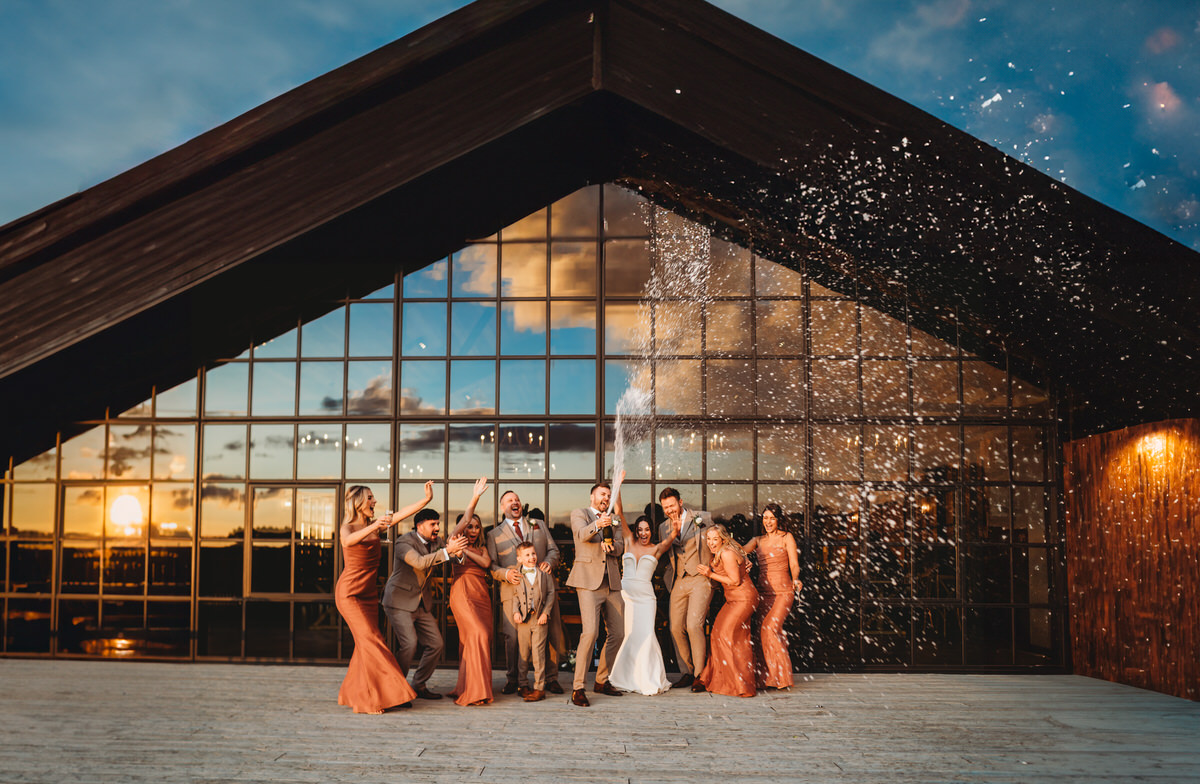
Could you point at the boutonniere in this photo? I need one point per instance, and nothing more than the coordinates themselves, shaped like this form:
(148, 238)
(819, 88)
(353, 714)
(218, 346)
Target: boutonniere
(699, 521)
(534, 525)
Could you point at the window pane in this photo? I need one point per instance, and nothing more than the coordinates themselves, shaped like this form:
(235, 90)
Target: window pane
(170, 566)
(125, 569)
(625, 213)
(222, 509)
(733, 505)
(174, 451)
(987, 571)
(790, 497)
(730, 328)
(371, 326)
(926, 345)
(935, 454)
(387, 292)
(30, 569)
(522, 452)
(573, 386)
(423, 329)
(83, 511)
(626, 329)
(219, 627)
(678, 385)
(523, 268)
(179, 401)
(986, 451)
(730, 453)
(421, 452)
(271, 448)
(368, 452)
(836, 511)
(314, 567)
(220, 569)
(318, 451)
(836, 451)
(636, 443)
(935, 387)
(281, 347)
(885, 453)
(835, 387)
(781, 453)
(270, 571)
(771, 279)
(226, 389)
(316, 513)
(1028, 400)
(224, 452)
(531, 227)
(985, 389)
(523, 386)
(576, 215)
(274, 391)
(423, 387)
(1028, 449)
(626, 267)
(272, 512)
(368, 388)
(33, 509)
(475, 271)
(572, 327)
(834, 331)
(780, 327)
(428, 281)
(987, 514)
(172, 509)
(730, 273)
(473, 387)
(472, 451)
(678, 453)
(885, 388)
(730, 387)
(988, 635)
(1029, 514)
(80, 567)
(572, 451)
(321, 388)
(620, 375)
(781, 388)
(677, 328)
(83, 455)
(573, 269)
(473, 329)
(882, 335)
(43, 466)
(522, 327)
(77, 624)
(324, 336)
(128, 509)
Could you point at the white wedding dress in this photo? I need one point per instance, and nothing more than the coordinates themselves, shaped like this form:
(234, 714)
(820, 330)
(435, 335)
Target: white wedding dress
(639, 663)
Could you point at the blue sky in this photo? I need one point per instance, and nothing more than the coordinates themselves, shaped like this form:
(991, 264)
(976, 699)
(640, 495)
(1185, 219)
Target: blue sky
(1102, 94)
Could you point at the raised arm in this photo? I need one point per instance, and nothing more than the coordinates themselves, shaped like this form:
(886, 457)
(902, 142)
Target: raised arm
(350, 537)
(412, 509)
(672, 534)
(464, 521)
(480, 557)
(619, 510)
(750, 546)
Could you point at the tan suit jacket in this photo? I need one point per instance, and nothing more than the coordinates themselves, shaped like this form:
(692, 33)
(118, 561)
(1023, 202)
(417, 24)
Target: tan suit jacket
(688, 550)
(591, 562)
(409, 586)
(502, 547)
(530, 601)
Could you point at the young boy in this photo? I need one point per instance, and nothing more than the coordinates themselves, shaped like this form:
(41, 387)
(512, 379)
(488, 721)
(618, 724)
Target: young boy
(533, 600)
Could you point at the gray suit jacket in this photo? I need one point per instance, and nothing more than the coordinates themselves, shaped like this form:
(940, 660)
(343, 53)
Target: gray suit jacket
(591, 562)
(409, 586)
(530, 601)
(689, 549)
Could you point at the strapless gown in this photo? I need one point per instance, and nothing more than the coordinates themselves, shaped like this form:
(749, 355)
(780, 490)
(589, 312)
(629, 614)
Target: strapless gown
(730, 666)
(471, 603)
(374, 681)
(638, 666)
(775, 599)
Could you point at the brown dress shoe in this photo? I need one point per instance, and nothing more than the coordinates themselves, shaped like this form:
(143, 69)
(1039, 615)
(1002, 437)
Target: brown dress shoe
(524, 691)
(606, 688)
(509, 688)
(535, 695)
(553, 687)
(684, 682)
(579, 697)
(426, 694)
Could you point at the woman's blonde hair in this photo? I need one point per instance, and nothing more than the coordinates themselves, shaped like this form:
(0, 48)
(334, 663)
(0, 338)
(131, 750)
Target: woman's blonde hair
(355, 495)
(727, 541)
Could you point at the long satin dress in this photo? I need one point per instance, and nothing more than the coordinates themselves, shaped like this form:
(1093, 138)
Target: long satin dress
(775, 599)
(639, 663)
(471, 603)
(374, 682)
(730, 666)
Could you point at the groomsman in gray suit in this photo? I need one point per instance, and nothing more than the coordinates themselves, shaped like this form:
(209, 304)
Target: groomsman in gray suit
(408, 596)
(502, 541)
(691, 591)
(596, 576)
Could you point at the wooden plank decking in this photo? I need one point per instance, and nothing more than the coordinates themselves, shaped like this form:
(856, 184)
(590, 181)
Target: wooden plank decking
(91, 721)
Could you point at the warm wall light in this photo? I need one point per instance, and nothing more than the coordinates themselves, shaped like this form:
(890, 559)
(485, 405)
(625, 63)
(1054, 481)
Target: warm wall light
(1153, 445)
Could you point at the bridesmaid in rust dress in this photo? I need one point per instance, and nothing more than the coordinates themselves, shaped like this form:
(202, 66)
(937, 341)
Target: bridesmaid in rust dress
(730, 667)
(778, 581)
(373, 683)
(471, 603)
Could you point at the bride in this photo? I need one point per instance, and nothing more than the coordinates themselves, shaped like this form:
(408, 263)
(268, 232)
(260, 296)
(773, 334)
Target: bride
(638, 666)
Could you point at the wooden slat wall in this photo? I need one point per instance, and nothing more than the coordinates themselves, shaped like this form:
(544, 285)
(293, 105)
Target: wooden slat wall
(1133, 555)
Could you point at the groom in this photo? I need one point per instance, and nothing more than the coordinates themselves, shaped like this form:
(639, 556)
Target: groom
(691, 591)
(596, 577)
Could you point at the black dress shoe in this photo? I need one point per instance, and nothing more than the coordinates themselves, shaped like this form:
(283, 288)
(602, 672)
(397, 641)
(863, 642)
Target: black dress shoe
(426, 694)
(699, 687)
(579, 697)
(683, 682)
(509, 688)
(553, 687)
(606, 688)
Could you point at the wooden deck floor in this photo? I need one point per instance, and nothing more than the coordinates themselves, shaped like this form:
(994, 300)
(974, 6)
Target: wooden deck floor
(90, 721)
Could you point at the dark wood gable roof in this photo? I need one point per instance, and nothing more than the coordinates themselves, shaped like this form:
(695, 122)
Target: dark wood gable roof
(498, 108)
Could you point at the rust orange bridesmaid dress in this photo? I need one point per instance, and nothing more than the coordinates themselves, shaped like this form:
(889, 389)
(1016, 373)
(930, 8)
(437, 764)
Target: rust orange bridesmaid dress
(730, 666)
(775, 599)
(471, 603)
(374, 682)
